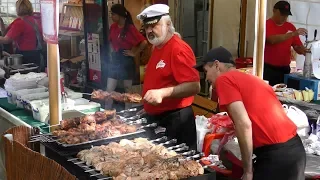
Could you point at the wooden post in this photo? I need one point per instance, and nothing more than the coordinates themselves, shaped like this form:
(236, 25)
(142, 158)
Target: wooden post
(243, 28)
(54, 84)
(261, 8)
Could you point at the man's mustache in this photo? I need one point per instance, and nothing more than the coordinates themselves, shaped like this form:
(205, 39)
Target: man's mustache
(151, 34)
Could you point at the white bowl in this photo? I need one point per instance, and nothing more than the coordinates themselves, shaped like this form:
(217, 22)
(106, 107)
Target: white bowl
(280, 87)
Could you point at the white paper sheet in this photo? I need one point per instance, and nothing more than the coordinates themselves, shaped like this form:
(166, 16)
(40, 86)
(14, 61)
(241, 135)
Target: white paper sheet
(47, 17)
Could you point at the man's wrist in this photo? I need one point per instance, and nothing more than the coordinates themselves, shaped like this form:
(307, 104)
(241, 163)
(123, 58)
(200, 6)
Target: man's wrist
(166, 92)
(294, 34)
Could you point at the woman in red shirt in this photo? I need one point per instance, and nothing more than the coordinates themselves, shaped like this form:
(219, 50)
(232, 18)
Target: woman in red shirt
(26, 33)
(123, 37)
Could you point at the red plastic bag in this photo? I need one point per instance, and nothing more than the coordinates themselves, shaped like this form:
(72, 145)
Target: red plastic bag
(219, 121)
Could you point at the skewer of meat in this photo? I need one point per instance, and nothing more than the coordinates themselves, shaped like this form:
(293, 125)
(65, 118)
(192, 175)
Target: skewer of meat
(126, 97)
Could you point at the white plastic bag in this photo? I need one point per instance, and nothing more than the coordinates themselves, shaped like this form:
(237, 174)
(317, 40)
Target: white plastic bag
(202, 130)
(299, 118)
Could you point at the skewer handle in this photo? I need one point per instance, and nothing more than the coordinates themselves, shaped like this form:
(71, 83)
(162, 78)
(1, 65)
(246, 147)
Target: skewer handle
(72, 159)
(90, 170)
(164, 138)
(95, 175)
(105, 178)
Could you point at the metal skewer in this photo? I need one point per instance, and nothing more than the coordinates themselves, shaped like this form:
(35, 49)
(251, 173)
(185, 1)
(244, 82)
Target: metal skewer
(80, 162)
(192, 152)
(139, 121)
(90, 170)
(105, 178)
(128, 110)
(92, 175)
(182, 149)
(72, 159)
(164, 138)
(177, 146)
(169, 142)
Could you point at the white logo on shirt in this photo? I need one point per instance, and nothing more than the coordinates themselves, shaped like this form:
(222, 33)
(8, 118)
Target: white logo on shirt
(289, 31)
(161, 64)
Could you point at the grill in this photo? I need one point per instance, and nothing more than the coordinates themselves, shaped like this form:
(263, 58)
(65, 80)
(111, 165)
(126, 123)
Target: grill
(66, 156)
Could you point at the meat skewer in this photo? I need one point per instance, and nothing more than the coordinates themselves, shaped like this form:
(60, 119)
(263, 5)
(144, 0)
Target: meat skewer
(125, 97)
(139, 159)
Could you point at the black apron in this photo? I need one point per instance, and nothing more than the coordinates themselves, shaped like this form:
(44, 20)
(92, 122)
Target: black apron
(275, 74)
(283, 161)
(121, 67)
(179, 124)
(34, 56)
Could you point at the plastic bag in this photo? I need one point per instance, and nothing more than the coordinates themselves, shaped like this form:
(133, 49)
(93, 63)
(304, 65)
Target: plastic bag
(297, 116)
(221, 123)
(202, 130)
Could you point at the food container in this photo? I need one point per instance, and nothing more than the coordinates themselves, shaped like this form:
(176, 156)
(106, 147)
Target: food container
(25, 100)
(40, 109)
(12, 96)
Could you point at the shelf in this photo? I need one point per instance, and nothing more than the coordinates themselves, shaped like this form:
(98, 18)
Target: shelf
(73, 5)
(71, 33)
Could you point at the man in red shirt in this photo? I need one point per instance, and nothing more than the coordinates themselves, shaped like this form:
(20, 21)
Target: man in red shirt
(261, 124)
(280, 37)
(170, 80)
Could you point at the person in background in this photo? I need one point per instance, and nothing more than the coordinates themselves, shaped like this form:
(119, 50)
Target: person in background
(262, 126)
(123, 37)
(26, 33)
(170, 80)
(280, 37)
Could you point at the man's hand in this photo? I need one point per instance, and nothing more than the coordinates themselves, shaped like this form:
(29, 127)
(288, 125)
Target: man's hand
(128, 53)
(247, 176)
(300, 31)
(5, 53)
(154, 96)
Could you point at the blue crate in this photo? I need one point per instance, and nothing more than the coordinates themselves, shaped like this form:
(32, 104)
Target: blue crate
(300, 83)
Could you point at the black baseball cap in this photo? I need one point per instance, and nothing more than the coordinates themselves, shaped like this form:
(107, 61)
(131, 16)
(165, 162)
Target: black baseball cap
(284, 7)
(216, 54)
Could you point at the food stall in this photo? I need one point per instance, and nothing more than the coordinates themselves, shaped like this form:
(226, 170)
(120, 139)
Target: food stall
(79, 144)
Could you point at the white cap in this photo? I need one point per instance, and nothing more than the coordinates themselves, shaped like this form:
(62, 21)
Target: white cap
(153, 13)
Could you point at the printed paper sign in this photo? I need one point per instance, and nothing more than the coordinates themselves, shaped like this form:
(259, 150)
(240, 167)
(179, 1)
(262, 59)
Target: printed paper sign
(50, 20)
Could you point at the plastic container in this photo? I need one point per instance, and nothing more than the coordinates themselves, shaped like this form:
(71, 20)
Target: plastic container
(25, 100)
(23, 92)
(244, 62)
(40, 110)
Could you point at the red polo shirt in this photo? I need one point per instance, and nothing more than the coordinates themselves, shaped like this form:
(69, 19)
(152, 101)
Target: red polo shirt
(23, 33)
(279, 54)
(132, 38)
(270, 124)
(170, 66)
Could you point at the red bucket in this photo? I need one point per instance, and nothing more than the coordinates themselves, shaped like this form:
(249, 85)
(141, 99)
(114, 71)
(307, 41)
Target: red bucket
(244, 62)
